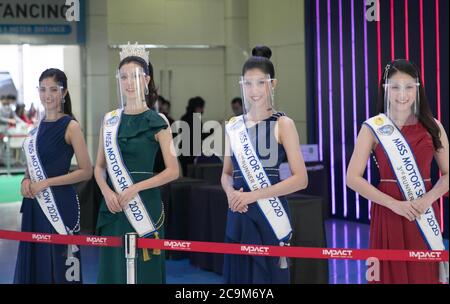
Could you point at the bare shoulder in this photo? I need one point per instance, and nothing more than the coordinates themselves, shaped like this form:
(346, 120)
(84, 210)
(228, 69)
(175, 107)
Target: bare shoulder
(366, 134)
(74, 124)
(73, 131)
(366, 131)
(284, 129)
(286, 122)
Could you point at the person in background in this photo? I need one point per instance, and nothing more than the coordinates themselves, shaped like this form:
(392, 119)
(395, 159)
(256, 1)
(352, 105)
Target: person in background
(6, 111)
(236, 106)
(164, 108)
(20, 113)
(194, 111)
(6, 120)
(32, 113)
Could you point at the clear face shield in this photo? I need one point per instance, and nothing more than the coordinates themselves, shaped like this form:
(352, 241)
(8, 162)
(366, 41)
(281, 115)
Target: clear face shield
(132, 87)
(257, 94)
(402, 101)
(52, 100)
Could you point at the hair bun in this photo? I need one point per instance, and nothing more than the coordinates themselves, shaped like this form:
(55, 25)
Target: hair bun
(262, 51)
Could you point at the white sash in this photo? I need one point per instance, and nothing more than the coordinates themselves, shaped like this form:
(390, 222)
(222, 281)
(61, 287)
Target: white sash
(121, 179)
(45, 198)
(256, 178)
(410, 181)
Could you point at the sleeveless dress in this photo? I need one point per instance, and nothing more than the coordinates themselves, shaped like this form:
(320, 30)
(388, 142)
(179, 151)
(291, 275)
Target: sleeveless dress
(138, 146)
(251, 227)
(389, 230)
(44, 263)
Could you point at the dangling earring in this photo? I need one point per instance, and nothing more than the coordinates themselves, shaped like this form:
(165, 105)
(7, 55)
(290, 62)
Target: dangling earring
(63, 101)
(146, 90)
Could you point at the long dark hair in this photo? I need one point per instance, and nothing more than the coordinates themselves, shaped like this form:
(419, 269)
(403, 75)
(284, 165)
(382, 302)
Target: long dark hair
(260, 59)
(152, 96)
(425, 115)
(59, 77)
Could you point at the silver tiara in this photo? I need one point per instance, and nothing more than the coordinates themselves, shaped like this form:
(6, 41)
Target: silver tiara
(134, 50)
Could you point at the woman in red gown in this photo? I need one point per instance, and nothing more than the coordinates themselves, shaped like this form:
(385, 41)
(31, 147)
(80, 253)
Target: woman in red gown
(393, 220)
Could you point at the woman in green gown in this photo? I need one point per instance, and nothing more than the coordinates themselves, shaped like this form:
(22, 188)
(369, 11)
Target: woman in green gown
(141, 132)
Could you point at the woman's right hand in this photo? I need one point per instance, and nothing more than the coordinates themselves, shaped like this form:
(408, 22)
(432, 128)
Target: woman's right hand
(112, 201)
(25, 188)
(405, 209)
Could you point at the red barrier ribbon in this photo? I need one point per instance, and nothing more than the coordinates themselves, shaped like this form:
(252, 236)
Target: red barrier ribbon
(231, 248)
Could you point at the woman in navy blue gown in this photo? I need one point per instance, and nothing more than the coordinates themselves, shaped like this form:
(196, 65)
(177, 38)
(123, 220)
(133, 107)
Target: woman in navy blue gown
(275, 140)
(58, 138)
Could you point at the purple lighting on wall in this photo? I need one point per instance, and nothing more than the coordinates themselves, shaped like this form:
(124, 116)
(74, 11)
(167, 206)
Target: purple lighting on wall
(355, 118)
(342, 97)
(319, 81)
(366, 89)
(330, 110)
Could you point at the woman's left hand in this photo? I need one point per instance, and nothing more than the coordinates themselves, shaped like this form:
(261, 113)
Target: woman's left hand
(126, 196)
(239, 200)
(420, 205)
(38, 186)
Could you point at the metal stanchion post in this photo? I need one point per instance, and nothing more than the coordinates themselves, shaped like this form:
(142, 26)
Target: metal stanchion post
(130, 256)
